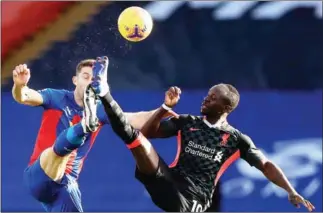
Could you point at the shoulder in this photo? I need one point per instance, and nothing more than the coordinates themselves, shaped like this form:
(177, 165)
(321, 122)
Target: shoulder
(188, 117)
(55, 92)
(243, 139)
(60, 91)
(178, 121)
(185, 118)
(237, 134)
(53, 98)
(64, 95)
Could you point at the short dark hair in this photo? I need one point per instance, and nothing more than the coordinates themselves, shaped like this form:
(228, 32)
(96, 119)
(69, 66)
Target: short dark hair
(84, 63)
(232, 97)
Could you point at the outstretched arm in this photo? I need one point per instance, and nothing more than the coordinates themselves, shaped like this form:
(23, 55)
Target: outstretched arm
(273, 173)
(138, 119)
(20, 91)
(276, 176)
(27, 96)
(154, 128)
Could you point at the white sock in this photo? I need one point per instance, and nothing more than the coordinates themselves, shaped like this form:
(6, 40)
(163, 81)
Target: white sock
(104, 90)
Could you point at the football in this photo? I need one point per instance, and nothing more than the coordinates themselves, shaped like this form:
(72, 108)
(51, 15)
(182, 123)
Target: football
(135, 24)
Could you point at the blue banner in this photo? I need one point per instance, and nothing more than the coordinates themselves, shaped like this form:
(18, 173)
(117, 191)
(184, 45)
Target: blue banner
(287, 126)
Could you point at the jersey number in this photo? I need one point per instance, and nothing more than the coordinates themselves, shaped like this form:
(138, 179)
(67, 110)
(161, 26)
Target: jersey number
(218, 157)
(197, 207)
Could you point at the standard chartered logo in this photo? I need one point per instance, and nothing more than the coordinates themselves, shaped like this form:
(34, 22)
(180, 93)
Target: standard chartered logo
(218, 157)
(203, 151)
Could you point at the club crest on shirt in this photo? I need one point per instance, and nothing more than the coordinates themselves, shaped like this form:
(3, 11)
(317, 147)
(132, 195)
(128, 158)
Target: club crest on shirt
(224, 139)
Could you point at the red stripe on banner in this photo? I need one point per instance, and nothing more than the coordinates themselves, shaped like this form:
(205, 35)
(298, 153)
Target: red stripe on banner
(22, 19)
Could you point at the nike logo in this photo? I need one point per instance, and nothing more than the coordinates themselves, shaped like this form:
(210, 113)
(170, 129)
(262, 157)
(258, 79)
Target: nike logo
(194, 129)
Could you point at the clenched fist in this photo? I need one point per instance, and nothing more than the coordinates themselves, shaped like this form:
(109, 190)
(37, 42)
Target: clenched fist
(21, 75)
(172, 96)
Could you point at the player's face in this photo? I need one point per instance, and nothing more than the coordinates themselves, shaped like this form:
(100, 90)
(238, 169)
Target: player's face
(213, 102)
(82, 80)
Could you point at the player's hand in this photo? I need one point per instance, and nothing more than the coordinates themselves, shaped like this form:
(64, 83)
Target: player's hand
(172, 96)
(297, 200)
(21, 75)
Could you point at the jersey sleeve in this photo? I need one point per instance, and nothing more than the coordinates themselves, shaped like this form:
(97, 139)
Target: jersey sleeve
(52, 98)
(249, 152)
(171, 126)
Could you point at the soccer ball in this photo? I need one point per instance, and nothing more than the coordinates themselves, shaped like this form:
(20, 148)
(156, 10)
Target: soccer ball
(135, 24)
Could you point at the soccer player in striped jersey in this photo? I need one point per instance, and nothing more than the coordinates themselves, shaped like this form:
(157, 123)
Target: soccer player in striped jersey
(69, 126)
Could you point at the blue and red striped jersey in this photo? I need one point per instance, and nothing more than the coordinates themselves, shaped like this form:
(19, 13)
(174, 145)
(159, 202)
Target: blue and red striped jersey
(60, 112)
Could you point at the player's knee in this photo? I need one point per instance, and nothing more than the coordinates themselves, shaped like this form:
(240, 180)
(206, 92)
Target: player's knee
(140, 145)
(52, 164)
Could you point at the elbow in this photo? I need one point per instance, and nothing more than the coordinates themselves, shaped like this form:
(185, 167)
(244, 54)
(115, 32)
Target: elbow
(268, 164)
(264, 166)
(17, 94)
(268, 168)
(18, 100)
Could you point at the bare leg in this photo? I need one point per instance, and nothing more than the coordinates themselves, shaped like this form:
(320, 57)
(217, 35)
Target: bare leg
(53, 165)
(53, 160)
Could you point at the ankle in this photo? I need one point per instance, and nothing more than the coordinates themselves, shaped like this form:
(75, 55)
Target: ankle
(104, 90)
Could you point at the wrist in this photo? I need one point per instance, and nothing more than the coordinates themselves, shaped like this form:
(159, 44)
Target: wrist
(165, 107)
(292, 192)
(19, 86)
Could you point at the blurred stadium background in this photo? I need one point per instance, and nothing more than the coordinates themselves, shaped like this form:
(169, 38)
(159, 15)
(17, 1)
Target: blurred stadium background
(271, 51)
